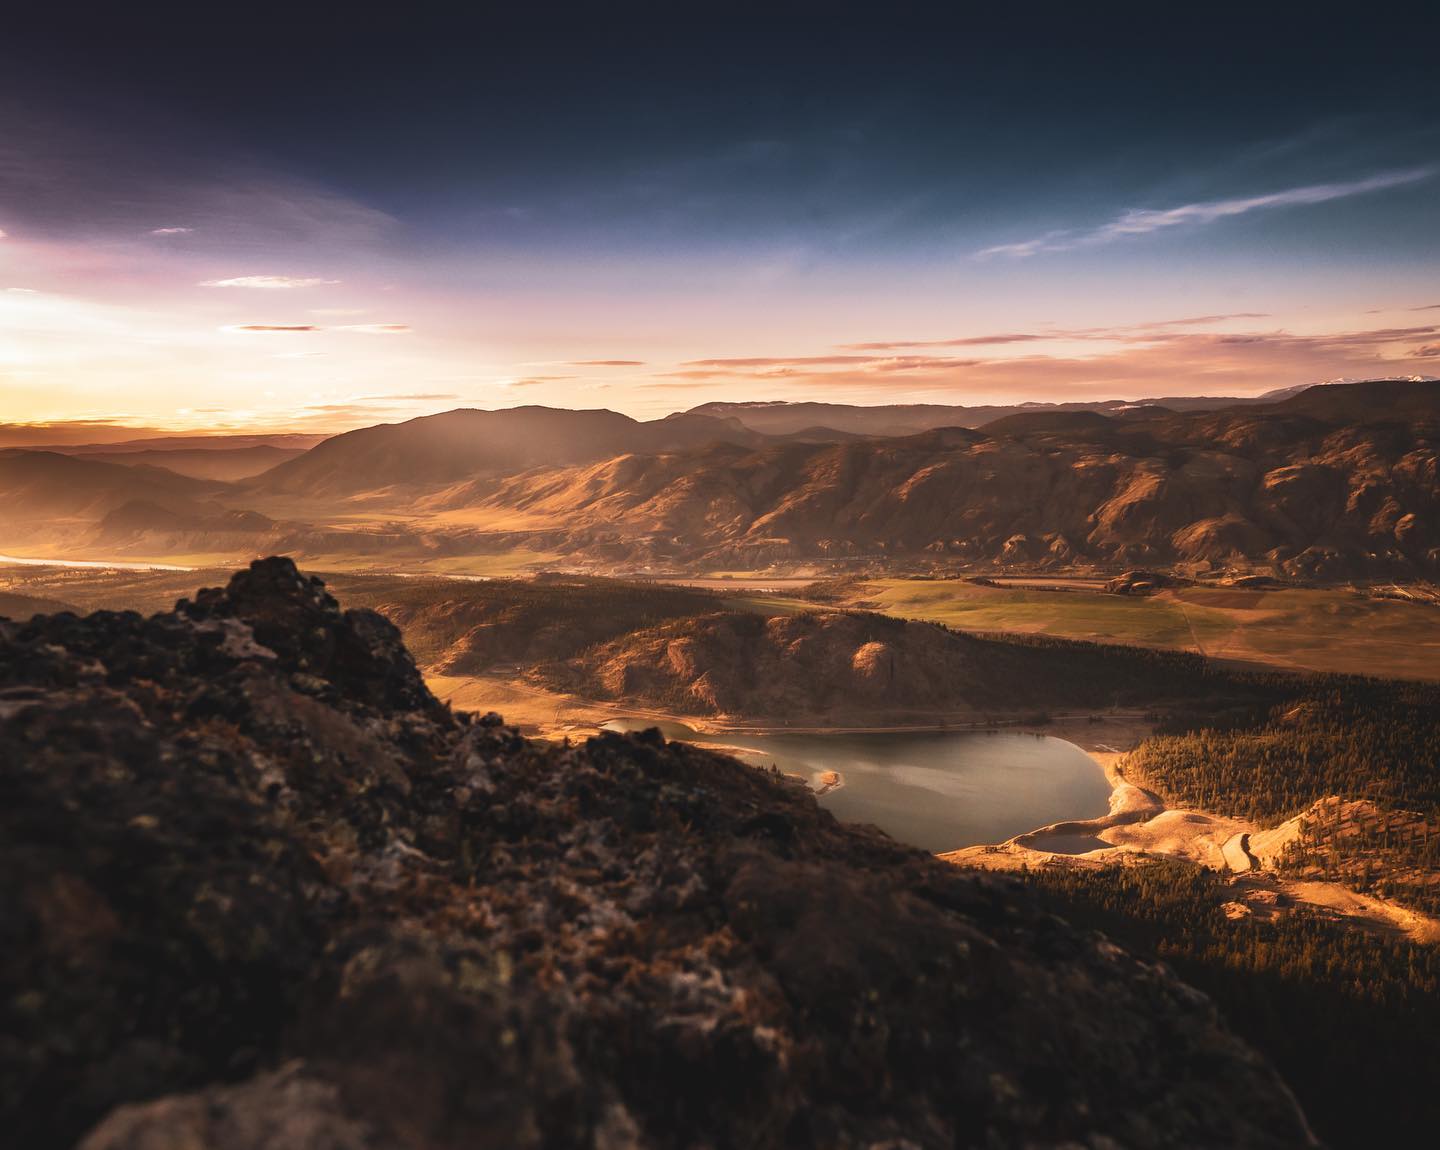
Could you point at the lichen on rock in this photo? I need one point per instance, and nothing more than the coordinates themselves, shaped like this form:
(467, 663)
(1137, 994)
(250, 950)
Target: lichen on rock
(264, 890)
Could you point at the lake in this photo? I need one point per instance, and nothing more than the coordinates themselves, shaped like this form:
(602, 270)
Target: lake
(936, 790)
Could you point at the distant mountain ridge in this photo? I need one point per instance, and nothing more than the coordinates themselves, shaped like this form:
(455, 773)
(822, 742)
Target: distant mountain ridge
(41, 485)
(1330, 481)
(780, 417)
(462, 444)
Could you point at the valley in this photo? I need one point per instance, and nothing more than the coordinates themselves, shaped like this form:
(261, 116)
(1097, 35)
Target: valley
(1187, 656)
(1220, 853)
(1329, 484)
(578, 578)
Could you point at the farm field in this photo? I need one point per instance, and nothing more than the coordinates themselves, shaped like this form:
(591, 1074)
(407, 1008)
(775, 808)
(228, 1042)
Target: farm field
(1328, 629)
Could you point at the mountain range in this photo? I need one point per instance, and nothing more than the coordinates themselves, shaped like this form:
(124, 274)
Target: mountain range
(1332, 481)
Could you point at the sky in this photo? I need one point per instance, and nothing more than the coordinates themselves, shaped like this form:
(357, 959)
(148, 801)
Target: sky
(318, 220)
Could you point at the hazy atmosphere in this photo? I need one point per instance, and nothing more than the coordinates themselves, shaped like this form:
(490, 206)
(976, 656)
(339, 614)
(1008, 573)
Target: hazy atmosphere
(308, 222)
(587, 576)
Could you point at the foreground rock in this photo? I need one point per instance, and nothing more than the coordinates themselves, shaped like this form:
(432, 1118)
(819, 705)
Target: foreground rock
(262, 890)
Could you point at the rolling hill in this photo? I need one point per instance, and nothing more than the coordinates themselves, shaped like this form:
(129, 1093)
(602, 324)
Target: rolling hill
(1332, 482)
(856, 667)
(464, 444)
(225, 463)
(781, 417)
(43, 485)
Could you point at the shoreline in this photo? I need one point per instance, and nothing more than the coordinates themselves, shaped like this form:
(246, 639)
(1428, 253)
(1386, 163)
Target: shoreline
(1141, 826)
(1138, 826)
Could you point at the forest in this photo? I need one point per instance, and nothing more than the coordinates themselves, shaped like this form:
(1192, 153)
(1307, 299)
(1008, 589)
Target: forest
(1348, 1018)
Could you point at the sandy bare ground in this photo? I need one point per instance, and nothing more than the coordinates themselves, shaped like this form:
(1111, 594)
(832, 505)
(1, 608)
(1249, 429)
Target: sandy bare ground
(1140, 826)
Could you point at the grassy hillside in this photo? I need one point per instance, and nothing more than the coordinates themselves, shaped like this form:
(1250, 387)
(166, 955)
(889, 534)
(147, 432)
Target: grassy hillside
(1313, 629)
(457, 627)
(858, 667)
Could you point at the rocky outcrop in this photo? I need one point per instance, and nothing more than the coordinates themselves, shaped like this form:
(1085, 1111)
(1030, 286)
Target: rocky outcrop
(263, 891)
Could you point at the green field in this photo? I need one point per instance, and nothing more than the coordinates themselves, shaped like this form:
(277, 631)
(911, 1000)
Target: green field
(1320, 630)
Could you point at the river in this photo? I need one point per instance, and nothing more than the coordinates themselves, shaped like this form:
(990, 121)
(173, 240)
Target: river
(92, 564)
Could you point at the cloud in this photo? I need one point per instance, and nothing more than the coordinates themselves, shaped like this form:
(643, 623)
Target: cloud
(73, 431)
(1133, 333)
(70, 178)
(171, 231)
(406, 397)
(361, 328)
(779, 361)
(607, 363)
(1145, 221)
(362, 409)
(1052, 241)
(268, 283)
(802, 366)
(967, 341)
(1156, 360)
(3, 233)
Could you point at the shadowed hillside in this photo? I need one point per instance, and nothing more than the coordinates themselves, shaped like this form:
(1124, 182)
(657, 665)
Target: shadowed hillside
(1336, 482)
(461, 445)
(857, 667)
(263, 890)
(786, 418)
(42, 485)
(1332, 482)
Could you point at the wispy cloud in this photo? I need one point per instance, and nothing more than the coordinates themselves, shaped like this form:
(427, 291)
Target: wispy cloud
(171, 231)
(268, 283)
(407, 397)
(775, 367)
(607, 363)
(1145, 221)
(536, 380)
(1137, 332)
(360, 328)
(965, 341)
(774, 361)
(1168, 359)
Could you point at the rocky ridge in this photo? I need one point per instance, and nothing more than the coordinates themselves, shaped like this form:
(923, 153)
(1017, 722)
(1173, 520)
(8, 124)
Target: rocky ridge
(265, 891)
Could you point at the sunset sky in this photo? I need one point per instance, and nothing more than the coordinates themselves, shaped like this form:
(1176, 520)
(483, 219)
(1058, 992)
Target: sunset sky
(317, 223)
